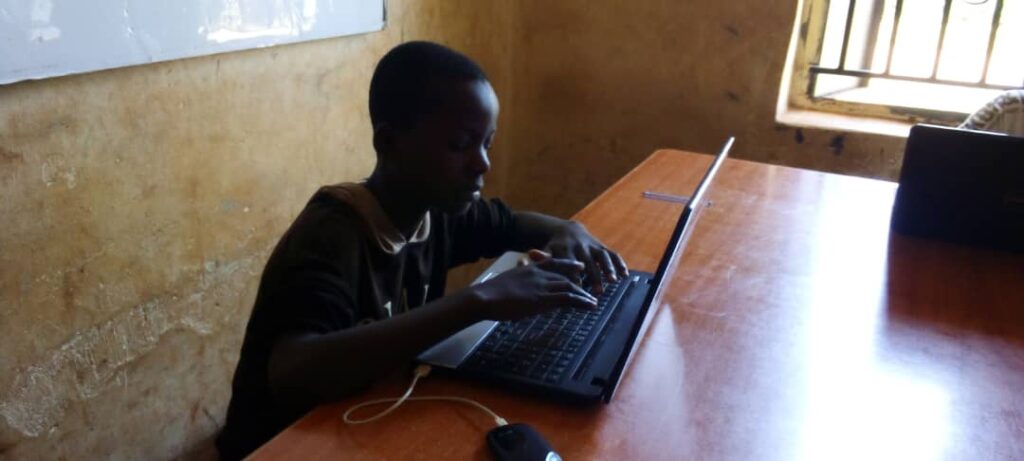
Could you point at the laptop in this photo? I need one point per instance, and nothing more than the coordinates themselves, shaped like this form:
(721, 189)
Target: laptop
(962, 186)
(568, 354)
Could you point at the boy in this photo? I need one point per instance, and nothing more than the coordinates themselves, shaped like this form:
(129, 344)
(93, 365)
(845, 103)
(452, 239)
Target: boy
(355, 287)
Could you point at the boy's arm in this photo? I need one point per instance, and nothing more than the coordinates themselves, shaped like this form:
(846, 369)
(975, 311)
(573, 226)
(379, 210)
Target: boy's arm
(306, 369)
(568, 240)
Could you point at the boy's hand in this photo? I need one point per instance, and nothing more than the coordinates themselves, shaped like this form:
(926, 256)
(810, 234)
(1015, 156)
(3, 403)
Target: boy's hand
(548, 283)
(574, 242)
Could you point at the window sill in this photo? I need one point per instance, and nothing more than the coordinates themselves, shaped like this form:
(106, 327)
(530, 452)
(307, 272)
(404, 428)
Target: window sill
(839, 122)
(945, 102)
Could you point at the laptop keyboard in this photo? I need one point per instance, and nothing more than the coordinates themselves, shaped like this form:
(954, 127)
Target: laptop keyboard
(541, 347)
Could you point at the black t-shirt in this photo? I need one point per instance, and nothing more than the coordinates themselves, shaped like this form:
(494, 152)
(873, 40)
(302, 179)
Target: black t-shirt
(337, 266)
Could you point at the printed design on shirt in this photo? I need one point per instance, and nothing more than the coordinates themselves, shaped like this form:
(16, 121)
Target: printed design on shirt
(387, 307)
(405, 297)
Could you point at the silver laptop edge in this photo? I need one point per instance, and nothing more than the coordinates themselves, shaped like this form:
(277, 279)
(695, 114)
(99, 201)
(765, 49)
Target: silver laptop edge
(450, 352)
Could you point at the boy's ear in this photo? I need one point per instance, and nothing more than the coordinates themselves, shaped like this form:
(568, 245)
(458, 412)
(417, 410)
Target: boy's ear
(384, 138)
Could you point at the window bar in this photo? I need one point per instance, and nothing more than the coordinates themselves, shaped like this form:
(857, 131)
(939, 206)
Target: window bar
(868, 74)
(875, 13)
(942, 36)
(892, 38)
(846, 35)
(992, 39)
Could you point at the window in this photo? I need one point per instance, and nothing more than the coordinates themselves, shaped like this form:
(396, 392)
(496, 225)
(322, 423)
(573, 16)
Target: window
(916, 60)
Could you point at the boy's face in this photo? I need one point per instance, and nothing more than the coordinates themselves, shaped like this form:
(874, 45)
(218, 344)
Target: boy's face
(444, 155)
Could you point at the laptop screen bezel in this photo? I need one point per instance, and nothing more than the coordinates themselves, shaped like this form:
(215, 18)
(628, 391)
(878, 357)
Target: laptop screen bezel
(672, 251)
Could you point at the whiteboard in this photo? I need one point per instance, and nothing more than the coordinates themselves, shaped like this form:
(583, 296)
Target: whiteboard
(48, 38)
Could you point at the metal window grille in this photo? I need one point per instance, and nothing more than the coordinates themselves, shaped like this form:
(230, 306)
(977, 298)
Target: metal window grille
(844, 69)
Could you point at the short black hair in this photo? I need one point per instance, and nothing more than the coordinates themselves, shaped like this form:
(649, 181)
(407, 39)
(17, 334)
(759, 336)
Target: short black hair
(405, 83)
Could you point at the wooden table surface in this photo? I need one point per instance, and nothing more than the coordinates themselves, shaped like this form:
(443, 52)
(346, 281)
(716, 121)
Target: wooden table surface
(794, 328)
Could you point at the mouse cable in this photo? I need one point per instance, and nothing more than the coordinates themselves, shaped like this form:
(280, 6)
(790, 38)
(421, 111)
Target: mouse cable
(420, 372)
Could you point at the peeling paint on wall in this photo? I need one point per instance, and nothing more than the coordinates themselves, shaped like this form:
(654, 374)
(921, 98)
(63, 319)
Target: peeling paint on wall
(93, 360)
(9, 157)
(56, 170)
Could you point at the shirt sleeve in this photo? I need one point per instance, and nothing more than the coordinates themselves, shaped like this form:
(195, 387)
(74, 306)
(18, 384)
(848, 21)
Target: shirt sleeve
(315, 276)
(486, 230)
(315, 298)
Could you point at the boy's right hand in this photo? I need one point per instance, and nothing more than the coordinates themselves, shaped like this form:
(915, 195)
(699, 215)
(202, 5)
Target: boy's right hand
(544, 284)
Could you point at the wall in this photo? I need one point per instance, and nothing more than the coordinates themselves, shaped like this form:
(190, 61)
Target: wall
(138, 208)
(602, 83)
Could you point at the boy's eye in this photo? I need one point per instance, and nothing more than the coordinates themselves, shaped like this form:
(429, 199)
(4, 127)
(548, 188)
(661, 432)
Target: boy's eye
(459, 144)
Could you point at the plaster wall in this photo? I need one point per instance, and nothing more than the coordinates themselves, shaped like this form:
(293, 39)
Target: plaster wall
(600, 84)
(139, 206)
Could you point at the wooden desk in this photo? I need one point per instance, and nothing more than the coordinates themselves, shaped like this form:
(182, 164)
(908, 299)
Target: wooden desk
(795, 327)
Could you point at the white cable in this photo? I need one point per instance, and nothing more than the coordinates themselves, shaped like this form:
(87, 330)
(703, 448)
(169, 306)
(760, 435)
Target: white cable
(421, 371)
(497, 419)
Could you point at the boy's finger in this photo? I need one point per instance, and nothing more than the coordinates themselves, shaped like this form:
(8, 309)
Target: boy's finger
(532, 257)
(565, 286)
(620, 264)
(567, 267)
(563, 269)
(572, 300)
(592, 269)
(538, 255)
(606, 265)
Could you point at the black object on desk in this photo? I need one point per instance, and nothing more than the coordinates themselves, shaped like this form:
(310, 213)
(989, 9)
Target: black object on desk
(519, 442)
(962, 186)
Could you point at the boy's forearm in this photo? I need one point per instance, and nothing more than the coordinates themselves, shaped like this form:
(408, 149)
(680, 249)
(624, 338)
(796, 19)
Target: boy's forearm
(317, 368)
(535, 230)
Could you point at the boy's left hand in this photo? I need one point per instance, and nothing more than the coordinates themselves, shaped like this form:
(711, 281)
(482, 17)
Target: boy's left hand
(573, 241)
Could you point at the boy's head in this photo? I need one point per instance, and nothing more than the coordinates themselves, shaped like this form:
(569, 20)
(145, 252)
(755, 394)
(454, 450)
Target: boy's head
(405, 86)
(434, 115)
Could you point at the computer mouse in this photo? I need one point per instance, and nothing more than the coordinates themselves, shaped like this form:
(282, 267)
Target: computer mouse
(519, 442)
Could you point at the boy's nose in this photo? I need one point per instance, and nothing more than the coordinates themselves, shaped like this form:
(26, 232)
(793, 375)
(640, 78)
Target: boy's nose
(480, 163)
